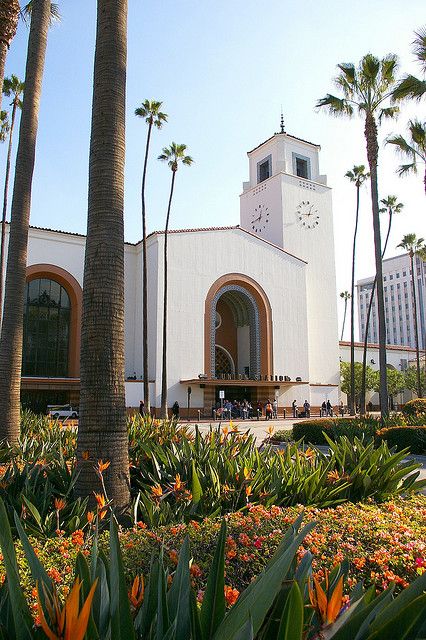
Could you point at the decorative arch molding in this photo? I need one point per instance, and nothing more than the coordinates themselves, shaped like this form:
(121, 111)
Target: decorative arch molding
(261, 307)
(228, 355)
(75, 292)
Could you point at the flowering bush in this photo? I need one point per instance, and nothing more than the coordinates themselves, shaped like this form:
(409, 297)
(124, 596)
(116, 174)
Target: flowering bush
(382, 543)
(415, 407)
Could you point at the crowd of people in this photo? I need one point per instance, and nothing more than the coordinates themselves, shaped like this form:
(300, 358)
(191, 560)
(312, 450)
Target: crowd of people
(245, 409)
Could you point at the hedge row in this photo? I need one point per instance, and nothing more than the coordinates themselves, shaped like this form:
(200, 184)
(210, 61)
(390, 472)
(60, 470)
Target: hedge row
(312, 431)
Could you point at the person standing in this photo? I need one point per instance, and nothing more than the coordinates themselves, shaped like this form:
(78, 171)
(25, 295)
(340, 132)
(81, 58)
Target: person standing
(268, 410)
(142, 408)
(323, 409)
(294, 407)
(329, 409)
(175, 410)
(275, 409)
(307, 408)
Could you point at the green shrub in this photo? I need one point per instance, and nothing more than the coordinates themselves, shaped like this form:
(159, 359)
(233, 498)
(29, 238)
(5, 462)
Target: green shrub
(415, 407)
(283, 435)
(413, 437)
(312, 430)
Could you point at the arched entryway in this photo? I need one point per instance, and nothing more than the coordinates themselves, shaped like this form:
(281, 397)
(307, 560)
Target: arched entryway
(238, 329)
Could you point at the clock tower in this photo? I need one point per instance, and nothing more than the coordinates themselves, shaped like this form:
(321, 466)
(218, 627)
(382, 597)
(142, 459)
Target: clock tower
(288, 203)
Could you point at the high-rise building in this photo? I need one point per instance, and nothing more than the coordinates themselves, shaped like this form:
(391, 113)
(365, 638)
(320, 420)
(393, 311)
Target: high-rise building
(399, 302)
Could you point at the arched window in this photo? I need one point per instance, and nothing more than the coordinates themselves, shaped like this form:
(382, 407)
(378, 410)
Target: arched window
(47, 312)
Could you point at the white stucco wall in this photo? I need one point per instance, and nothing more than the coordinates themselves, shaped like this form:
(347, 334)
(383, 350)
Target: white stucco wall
(196, 261)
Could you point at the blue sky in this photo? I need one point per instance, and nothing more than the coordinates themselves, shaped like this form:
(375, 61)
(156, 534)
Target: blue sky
(222, 70)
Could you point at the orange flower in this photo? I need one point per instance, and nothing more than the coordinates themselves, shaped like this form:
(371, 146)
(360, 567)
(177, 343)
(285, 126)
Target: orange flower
(310, 453)
(333, 476)
(59, 504)
(178, 485)
(174, 556)
(102, 510)
(270, 430)
(102, 466)
(90, 516)
(85, 455)
(225, 431)
(231, 595)
(67, 622)
(195, 570)
(248, 491)
(157, 490)
(327, 607)
(137, 591)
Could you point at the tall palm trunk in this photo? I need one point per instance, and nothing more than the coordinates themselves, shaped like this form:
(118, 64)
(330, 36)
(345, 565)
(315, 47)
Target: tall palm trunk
(416, 327)
(164, 367)
(344, 318)
(372, 155)
(145, 281)
(5, 195)
(352, 399)
(9, 15)
(102, 429)
(367, 324)
(12, 326)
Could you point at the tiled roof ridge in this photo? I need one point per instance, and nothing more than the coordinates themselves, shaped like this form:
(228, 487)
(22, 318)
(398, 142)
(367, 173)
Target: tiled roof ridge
(289, 136)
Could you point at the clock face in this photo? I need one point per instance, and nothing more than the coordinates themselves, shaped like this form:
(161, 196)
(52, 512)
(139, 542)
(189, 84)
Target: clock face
(307, 215)
(259, 218)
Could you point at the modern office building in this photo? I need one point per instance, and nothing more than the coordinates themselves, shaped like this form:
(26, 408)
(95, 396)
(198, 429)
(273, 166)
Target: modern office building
(399, 302)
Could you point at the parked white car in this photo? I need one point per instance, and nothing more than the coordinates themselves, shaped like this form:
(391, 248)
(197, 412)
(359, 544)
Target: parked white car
(62, 412)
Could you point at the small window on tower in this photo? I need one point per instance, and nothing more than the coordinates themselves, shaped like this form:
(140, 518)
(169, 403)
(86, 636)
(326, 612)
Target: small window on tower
(264, 169)
(301, 166)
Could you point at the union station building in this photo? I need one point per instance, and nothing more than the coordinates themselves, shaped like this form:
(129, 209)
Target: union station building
(252, 308)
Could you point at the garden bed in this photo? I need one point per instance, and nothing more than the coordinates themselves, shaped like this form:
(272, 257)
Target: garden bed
(382, 543)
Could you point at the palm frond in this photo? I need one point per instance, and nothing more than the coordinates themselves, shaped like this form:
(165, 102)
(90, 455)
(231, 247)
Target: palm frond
(369, 68)
(419, 47)
(335, 106)
(401, 145)
(404, 169)
(409, 87)
(388, 113)
(418, 135)
(55, 14)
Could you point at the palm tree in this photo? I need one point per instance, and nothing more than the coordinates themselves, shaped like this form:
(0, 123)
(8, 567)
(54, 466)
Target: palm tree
(12, 325)
(346, 296)
(391, 206)
(9, 16)
(413, 245)
(410, 86)
(11, 87)
(4, 125)
(150, 111)
(173, 155)
(368, 89)
(102, 432)
(413, 150)
(357, 176)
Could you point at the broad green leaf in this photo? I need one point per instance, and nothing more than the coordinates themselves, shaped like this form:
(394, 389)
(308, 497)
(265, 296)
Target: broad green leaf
(259, 595)
(291, 625)
(178, 595)
(197, 490)
(121, 618)
(213, 607)
(21, 614)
